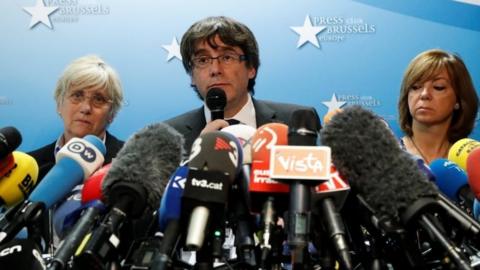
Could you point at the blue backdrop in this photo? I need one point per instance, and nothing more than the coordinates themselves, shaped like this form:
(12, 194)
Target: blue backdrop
(318, 53)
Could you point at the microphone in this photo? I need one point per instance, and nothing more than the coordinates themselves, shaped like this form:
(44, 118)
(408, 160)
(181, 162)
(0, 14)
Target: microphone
(10, 139)
(326, 199)
(365, 151)
(452, 181)
(90, 214)
(240, 212)
(20, 181)
(130, 190)
(76, 160)
(21, 254)
(69, 211)
(170, 205)
(303, 131)
(92, 188)
(261, 185)
(473, 171)
(169, 218)
(460, 151)
(216, 101)
(213, 164)
(476, 209)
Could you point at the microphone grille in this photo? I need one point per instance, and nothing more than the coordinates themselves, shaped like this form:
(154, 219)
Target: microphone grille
(216, 99)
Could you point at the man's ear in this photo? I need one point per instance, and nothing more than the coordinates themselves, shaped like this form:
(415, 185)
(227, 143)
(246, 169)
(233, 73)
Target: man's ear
(252, 72)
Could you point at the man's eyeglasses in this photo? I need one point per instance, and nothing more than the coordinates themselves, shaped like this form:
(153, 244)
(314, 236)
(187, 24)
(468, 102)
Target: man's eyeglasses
(97, 100)
(225, 59)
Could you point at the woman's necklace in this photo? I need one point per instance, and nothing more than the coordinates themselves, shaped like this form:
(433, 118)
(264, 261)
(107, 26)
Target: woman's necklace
(427, 161)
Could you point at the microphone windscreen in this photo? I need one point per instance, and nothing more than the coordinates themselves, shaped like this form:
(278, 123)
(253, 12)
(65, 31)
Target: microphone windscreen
(473, 171)
(303, 128)
(264, 138)
(216, 151)
(92, 188)
(17, 185)
(146, 159)
(365, 151)
(10, 139)
(244, 135)
(449, 177)
(170, 206)
(460, 151)
(329, 115)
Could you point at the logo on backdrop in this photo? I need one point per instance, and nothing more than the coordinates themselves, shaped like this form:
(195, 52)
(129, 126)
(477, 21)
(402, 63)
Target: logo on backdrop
(317, 29)
(338, 101)
(64, 11)
(173, 50)
(4, 100)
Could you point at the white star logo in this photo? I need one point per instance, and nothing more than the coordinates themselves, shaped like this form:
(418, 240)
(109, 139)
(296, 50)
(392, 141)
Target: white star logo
(333, 104)
(308, 32)
(173, 50)
(40, 13)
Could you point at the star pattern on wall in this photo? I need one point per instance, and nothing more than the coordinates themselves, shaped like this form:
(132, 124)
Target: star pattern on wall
(308, 33)
(333, 104)
(173, 50)
(40, 14)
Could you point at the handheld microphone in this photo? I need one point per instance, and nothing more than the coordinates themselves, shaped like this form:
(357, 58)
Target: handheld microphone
(473, 171)
(76, 160)
(21, 254)
(214, 164)
(130, 190)
(20, 181)
(460, 151)
(216, 101)
(10, 139)
(365, 151)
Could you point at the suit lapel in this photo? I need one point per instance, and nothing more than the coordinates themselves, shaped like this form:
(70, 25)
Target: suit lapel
(264, 114)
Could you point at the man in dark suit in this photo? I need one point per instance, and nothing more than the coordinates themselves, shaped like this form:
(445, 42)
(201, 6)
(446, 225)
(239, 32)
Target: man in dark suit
(219, 52)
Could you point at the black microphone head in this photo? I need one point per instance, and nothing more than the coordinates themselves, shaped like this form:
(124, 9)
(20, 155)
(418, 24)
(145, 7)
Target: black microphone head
(216, 101)
(217, 151)
(146, 160)
(10, 139)
(303, 128)
(367, 154)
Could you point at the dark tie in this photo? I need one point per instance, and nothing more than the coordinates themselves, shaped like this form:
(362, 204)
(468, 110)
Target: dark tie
(232, 121)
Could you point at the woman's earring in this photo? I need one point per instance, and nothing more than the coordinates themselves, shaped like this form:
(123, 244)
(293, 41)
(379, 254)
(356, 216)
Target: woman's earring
(456, 106)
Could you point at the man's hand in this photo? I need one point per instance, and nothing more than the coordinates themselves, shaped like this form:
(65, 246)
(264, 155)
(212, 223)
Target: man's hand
(214, 126)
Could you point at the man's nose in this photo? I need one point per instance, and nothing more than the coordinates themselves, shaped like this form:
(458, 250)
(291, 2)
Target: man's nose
(215, 67)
